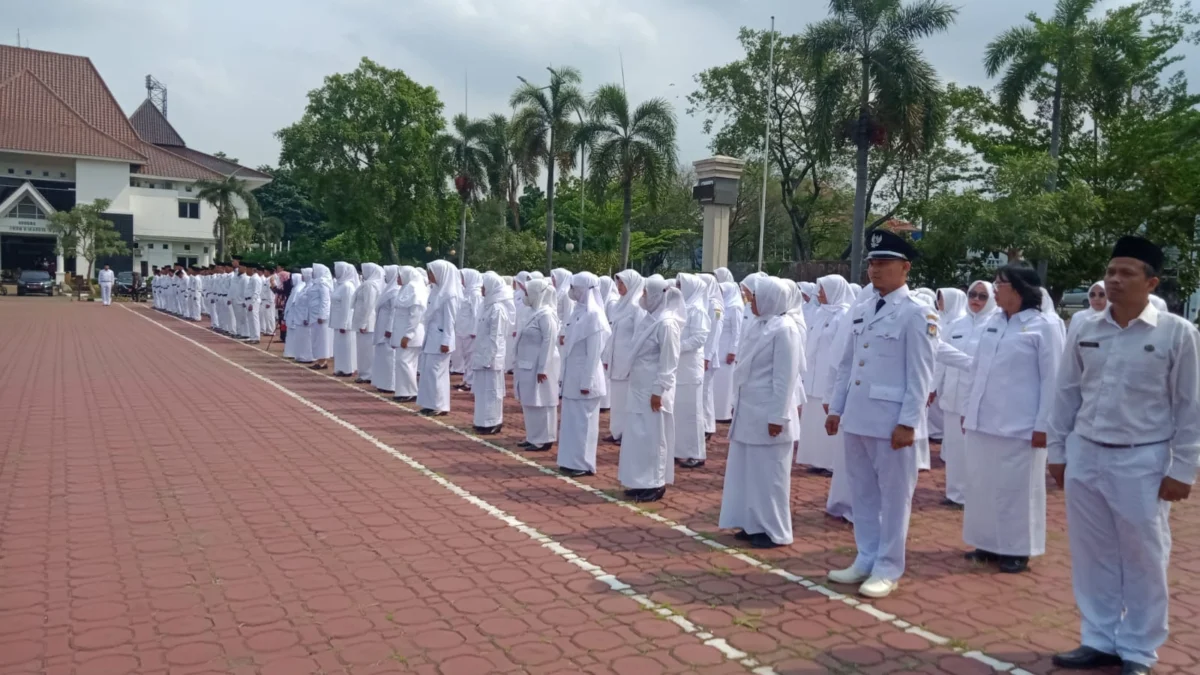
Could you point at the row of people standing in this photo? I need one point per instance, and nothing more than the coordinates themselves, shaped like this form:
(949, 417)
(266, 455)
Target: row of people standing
(238, 297)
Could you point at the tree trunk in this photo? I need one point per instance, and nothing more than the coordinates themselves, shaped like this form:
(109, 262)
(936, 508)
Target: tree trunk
(462, 233)
(1055, 130)
(550, 208)
(516, 213)
(626, 220)
(862, 141)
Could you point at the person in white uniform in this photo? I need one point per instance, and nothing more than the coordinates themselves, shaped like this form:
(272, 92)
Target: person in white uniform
(1013, 374)
(951, 387)
(822, 355)
(1097, 301)
(535, 373)
(510, 341)
(446, 295)
(1124, 440)
(645, 466)
(608, 299)
(383, 376)
(882, 389)
(1051, 314)
(341, 319)
(487, 354)
(299, 332)
(464, 327)
(756, 497)
(731, 332)
(583, 381)
(406, 336)
(712, 360)
(362, 319)
(252, 290)
(624, 317)
(690, 446)
(319, 298)
(106, 279)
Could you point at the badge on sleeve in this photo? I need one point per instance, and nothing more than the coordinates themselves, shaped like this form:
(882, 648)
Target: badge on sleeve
(931, 330)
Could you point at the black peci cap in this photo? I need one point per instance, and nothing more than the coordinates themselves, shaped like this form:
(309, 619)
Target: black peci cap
(887, 245)
(1139, 248)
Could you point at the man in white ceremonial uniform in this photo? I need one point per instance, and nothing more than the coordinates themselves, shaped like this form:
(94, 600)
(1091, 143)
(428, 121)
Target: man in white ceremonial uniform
(882, 390)
(106, 279)
(341, 319)
(445, 297)
(266, 300)
(487, 354)
(583, 381)
(690, 446)
(1124, 440)
(252, 289)
(406, 335)
(362, 317)
(195, 294)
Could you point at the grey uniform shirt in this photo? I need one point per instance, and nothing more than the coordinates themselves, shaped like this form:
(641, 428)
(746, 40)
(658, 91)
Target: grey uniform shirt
(1131, 386)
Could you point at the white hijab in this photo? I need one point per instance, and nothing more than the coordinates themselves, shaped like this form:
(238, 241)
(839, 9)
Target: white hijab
(587, 317)
(561, 279)
(414, 287)
(954, 303)
(662, 302)
(320, 275)
(772, 298)
(627, 305)
(695, 294)
(1087, 311)
(373, 277)
(1159, 303)
(731, 296)
(448, 285)
(496, 292)
(345, 273)
(390, 289)
(716, 303)
(723, 275)
(298, 291)
(1051, 314)
(989, 307)
(540, 297)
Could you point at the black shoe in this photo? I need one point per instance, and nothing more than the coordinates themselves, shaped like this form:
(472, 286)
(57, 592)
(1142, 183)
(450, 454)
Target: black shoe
(823, 473)
(708, 435)
(762, 541)
(612, 439)
(1134, 668)
(652, 494)
(1013, 564)
(1085, 658)
(524, 444)
(742, 535)
(951, 504)
(605, 409)
(489, 431)
(359, 380)
(539, 448)
(724, 421)
(982, 557)
(692, 463)
(574, 473)
(404, 399)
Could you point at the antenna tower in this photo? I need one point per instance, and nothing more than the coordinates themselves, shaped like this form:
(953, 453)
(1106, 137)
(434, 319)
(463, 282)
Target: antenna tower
(157, 93)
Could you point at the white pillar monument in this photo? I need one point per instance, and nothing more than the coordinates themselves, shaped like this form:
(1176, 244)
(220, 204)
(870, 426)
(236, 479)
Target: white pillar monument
(717, 190)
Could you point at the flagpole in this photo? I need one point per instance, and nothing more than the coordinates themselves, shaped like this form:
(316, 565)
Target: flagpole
(762, 210)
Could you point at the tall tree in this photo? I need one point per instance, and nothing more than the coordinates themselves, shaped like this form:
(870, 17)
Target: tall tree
(628, 145)
(469, 158)
(286, 199)
(507, 167)
(366, 150)
(544, 130)
(85, 231)
(874, 44)
(224, 195)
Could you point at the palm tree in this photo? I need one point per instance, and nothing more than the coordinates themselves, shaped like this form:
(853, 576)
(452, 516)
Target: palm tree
(1065, 44)
(224, 195)
(543, 128)
(469, 160)
(625, 147)
(871, 48)
(507, 168)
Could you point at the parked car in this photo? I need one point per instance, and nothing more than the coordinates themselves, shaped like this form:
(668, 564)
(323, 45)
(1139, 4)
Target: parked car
(1075, 299)
(124, 285)
(35, 281)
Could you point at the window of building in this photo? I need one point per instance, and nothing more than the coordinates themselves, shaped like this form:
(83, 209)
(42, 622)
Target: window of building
(189, 209)
(27, 209)
(45, 174)
(187, 189)
(206, 249)
(12, 170)
(187, 247)
(149, 245)
(62, 174)
(28, 172)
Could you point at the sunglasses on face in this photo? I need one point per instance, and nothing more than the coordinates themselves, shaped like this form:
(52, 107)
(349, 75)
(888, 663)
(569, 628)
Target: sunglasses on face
(1094, 294)
(978, 296)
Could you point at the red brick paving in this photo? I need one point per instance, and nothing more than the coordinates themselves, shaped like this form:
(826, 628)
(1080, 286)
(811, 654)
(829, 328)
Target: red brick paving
(163, 511)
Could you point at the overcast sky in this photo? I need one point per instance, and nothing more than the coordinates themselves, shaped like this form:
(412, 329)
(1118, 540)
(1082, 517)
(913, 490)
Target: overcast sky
(237, 71)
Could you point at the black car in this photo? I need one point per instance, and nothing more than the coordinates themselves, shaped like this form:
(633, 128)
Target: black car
(35, 281)
(124, 285)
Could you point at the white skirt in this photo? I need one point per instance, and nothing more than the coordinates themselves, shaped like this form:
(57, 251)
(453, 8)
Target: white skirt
(382, 366)
(841, 498)
(541, 423)
(579, 433)
(816, 447)
(710, 414)
(936, 421)
(344, 352)
(404, 371)
(1006, 495)
(645, 461)
(364, 353)
(921, 445)
(954, 447)
(322, 340)
(606, 399)
(300, 340)
(461, 356)
(433, 388)
(689, 421)
(488, 386)
(758, 490)
(618, 397)
(723, 393)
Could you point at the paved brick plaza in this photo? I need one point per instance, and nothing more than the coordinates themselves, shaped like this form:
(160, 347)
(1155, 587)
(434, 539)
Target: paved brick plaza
(163, 510)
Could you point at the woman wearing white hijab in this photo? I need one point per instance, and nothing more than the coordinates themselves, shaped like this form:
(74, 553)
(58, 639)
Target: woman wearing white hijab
(406, 336)
(723, 275)
(731, 332)
(1159, 303)
(583, 382)
(690, 447)
(510, 340)
(384, 376)
(608, 297)
(1051, 313)
(1097, 301)
(464, 326)
(561, 280)
(645, 467)
(951, 385)
(712, 361)
(319, 299)
(433, 391)
(487, 354)
(535, 376)
(299, 344)
(823, 351)
(811, 304)
(341, 320)
(927, 299)
(757, 492)
(364, 318)
(624, 317)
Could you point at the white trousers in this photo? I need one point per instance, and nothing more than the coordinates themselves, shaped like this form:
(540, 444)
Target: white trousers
(645, 461)
(1120, 546)
(488, 387)
(252, 324)
(758, 490)
(689, 421)
(433, 389)
(344, 352)
(541, 423)
(579, 433)
(268, 318)
(618, 401)
(937, 420)
(816, 446)
(364, 353)
(404, 371)
(723, 392)
(106, 293)
(710, 411)
(840, 503)
(882, 481)
(1006, 495)
(954, 448)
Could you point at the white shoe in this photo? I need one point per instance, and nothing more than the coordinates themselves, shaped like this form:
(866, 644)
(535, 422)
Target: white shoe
(849, 575)
(877, 587)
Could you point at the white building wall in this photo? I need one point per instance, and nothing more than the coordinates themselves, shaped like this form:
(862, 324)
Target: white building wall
(95, 179)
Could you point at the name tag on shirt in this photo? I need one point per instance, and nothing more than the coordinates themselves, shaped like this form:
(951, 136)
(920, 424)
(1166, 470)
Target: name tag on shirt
(1089, 344)
(858, 321)
(991, 330)
(955, 337)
